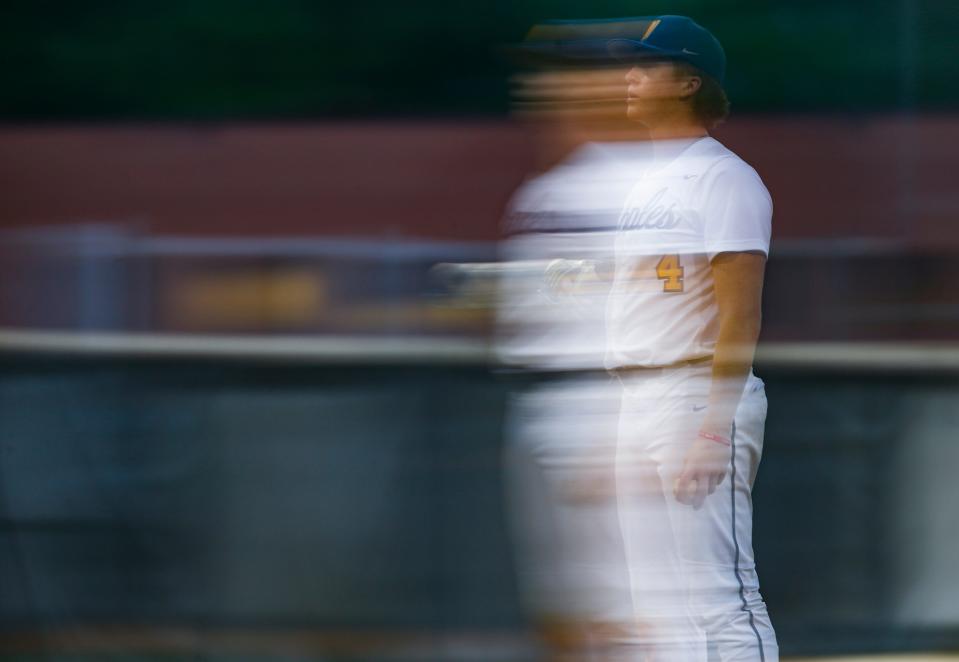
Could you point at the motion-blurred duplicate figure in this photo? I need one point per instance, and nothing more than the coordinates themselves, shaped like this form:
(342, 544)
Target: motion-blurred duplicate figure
(683, 317)
(555, 275)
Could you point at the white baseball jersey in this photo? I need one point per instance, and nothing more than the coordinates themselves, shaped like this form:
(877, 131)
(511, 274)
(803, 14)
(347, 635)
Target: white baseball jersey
(695, 199)
(561, 434)
(569, 213)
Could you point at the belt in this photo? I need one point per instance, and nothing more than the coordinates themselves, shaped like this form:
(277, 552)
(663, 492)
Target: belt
(651, 370)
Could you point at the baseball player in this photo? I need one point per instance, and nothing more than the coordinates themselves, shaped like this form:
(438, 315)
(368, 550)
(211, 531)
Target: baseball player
(682, 319)
(554, 284)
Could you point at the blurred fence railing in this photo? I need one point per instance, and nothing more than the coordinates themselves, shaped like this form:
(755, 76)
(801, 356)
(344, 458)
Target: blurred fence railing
(110, 278)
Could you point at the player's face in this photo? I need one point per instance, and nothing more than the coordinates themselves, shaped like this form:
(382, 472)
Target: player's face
(575, 94)
(654, 88)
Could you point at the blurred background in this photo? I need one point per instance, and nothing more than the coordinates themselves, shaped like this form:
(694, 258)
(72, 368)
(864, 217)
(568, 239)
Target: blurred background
(240, 418)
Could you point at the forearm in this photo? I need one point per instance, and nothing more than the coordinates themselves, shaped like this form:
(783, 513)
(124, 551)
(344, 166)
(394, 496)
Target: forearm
(732, 363)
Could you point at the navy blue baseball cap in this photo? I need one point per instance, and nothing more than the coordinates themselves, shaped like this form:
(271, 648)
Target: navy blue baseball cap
(674, 38)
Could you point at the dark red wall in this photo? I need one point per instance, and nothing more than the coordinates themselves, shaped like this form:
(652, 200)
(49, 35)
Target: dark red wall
(830, 177)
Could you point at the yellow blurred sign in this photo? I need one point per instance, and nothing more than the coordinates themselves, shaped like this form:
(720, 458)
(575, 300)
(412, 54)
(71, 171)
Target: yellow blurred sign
(260, 298)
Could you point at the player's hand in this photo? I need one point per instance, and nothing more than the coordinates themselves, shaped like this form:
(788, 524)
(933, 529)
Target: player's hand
(704, 469)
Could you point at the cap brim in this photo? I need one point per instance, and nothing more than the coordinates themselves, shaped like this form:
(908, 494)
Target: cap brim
(630, 50)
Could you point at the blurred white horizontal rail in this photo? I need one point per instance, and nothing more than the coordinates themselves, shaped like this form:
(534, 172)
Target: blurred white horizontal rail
(341, 350)
(860, 356)
(435, 350)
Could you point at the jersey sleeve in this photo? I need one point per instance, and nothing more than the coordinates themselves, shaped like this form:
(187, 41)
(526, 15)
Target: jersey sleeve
(737, 210)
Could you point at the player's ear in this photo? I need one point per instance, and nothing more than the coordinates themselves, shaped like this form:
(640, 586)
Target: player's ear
(691, 85)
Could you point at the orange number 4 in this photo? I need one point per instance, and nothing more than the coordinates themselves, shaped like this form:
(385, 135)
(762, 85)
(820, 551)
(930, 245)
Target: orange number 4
(670, 271)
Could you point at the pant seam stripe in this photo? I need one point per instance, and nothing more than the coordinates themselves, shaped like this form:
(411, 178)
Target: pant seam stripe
(742, 586)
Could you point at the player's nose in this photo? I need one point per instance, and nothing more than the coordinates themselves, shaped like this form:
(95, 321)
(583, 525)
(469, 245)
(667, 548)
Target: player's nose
(632, 76)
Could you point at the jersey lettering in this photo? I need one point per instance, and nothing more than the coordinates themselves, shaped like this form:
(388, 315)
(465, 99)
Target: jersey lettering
(657, 214)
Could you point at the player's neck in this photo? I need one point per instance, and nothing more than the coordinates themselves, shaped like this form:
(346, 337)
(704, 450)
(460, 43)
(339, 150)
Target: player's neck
(677, 132)
(676, 126)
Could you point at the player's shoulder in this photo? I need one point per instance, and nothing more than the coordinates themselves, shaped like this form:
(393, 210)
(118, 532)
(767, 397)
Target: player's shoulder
(720, 162)
(726, 178)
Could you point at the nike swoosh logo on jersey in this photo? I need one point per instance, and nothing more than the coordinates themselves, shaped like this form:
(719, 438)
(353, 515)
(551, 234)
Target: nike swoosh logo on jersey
(689, 176)
(699, 408)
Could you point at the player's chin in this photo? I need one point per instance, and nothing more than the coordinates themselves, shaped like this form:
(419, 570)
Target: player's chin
(634, 110)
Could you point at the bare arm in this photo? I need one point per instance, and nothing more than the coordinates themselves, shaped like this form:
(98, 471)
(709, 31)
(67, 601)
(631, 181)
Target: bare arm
(738, 279)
